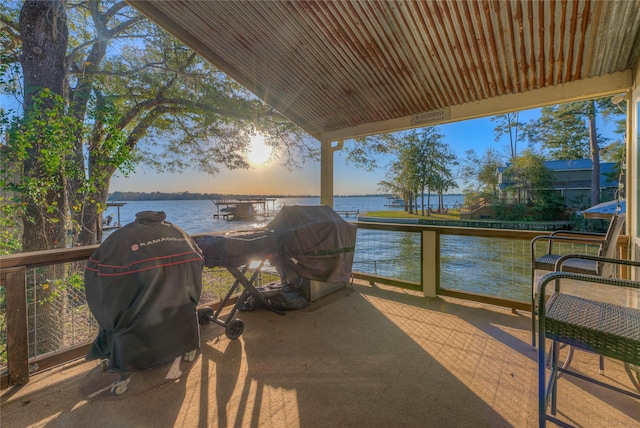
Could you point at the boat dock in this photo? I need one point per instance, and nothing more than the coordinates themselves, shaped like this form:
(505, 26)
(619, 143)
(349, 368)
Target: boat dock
(348, 213)
(394, 201)
(245, 208)
(109, 223)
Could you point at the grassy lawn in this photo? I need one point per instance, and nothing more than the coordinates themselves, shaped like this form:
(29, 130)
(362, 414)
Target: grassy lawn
(452, 215)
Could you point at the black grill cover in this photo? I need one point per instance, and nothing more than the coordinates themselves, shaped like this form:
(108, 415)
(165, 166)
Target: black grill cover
(315, 242)
(142, 285)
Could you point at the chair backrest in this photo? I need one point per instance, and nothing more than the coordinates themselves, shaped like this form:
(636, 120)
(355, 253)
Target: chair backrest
(610, 244)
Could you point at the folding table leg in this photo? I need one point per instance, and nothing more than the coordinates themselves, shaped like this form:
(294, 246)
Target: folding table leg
(248, 285)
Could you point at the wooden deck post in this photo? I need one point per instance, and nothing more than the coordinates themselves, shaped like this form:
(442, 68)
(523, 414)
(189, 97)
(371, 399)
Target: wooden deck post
(326, 171)
(17, 337)
(430, 262)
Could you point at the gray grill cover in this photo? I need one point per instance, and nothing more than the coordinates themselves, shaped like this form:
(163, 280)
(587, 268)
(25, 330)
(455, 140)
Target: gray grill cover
(315, 242)
(142, 285)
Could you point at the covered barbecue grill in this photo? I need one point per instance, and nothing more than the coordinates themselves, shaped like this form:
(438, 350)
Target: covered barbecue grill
(142, 285)
(301, 242)
(235, 251)
(315, 243)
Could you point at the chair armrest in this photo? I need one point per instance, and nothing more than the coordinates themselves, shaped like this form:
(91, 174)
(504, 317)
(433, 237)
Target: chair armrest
(577, 232)
(553, 276)
(623, 262)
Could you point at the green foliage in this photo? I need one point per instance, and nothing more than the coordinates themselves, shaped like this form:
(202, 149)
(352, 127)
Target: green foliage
(422, 161)
(44, 139)
(135, 95)
(563, 130)
(10, 241)
(512, 212)
(480, 173)
(67, 287)
(547, 205)
(530, 185)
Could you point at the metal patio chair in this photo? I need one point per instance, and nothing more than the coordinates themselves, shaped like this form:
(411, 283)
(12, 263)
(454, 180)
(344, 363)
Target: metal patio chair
(604, 245)
(595, 322)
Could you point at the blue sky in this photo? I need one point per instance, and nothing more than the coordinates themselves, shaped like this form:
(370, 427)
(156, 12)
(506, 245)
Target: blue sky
(348, 180)
(273, 178)
(267, 179)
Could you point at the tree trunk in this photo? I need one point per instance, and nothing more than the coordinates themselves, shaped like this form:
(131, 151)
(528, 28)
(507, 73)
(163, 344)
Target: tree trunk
(44, 33)
(595, 155)
(89, 218)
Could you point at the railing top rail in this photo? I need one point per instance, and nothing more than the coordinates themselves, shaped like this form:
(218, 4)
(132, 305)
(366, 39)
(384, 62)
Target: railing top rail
(455, 230)
(64, 255)
(47, 257)
(464, 231)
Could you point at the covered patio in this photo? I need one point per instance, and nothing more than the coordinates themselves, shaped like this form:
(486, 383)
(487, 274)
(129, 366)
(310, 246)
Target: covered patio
(361, 357)
(367, 355)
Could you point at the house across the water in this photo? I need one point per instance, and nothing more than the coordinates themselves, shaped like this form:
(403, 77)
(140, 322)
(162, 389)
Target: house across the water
(572, 179)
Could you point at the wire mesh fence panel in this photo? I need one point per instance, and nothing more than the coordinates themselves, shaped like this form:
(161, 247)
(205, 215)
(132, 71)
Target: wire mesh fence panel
(58, 315)
(490, 266)
(394, 255)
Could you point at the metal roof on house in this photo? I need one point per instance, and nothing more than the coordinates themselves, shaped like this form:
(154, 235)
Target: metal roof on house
(570, 165)
(342, 69)
(607, 177)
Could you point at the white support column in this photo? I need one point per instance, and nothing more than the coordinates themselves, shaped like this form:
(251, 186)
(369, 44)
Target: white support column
(326, 171)
(430, 262)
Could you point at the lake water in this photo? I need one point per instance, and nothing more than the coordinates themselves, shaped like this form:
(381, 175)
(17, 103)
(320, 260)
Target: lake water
(471, 264)
(198, 216)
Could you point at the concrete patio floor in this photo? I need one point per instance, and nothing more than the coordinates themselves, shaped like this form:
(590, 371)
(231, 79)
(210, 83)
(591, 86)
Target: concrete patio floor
(361, 357)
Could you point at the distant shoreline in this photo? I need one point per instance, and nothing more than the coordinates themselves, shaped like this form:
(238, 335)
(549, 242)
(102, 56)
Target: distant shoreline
(188, 196)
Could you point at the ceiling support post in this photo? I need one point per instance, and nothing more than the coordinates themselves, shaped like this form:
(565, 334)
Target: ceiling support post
(326, 171)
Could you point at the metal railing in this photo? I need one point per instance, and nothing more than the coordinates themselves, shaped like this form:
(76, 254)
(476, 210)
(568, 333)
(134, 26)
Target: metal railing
(486, 265)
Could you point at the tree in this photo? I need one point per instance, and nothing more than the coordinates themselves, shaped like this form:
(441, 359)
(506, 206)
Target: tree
(508, 124)
(530, 179)
(569, 131)
(44, 35)
(426, 161)
(120, 92)
(422, 162)
(398, 183)
(480, 173)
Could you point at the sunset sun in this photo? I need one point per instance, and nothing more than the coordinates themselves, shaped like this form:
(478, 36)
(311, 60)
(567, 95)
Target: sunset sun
(259, 152)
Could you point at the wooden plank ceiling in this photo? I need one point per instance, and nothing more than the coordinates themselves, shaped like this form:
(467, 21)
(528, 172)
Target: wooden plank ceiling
(335, 67)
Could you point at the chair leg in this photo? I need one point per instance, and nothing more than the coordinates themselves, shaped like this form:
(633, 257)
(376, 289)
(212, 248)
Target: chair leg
(634, 374)
(553, 381)
(567, 360)
(542, 384)
(533, 308)
(533, 323)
